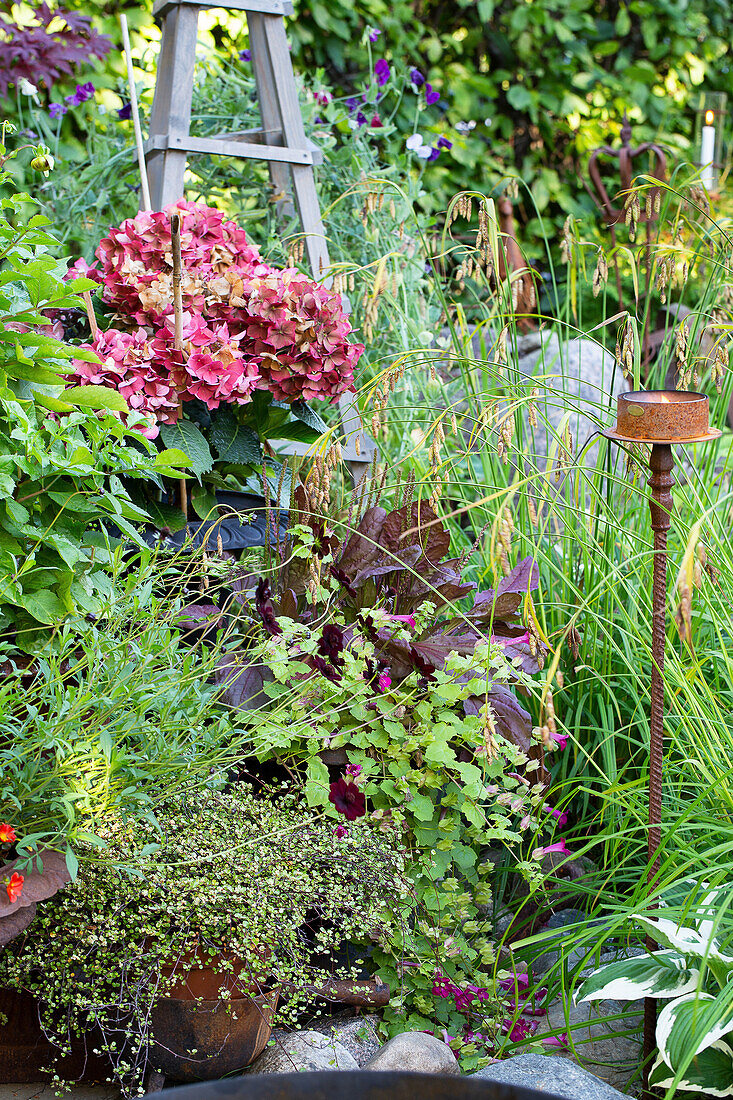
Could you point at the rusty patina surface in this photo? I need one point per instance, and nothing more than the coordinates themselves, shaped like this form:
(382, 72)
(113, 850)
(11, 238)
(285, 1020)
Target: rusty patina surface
(662, 416)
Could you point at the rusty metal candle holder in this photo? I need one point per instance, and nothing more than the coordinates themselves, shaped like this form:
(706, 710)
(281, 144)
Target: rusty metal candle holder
(661, 418)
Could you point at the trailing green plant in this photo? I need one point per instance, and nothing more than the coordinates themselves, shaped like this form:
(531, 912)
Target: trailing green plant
(259, 889)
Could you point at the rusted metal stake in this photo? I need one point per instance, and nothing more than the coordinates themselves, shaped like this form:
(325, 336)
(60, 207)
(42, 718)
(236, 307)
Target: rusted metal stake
(661, 481)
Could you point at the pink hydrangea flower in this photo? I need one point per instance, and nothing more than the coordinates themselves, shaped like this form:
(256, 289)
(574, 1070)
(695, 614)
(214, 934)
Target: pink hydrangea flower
(210, 366)
(298, 333)
(136, 261)
(128, 365)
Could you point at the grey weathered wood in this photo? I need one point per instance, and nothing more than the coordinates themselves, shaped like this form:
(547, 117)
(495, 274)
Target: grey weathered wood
(281, 141)
(245, 150)
(266, 7)
(171, 111)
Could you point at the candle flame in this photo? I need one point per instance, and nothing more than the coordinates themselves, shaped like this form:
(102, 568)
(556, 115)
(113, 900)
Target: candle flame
(709, 118)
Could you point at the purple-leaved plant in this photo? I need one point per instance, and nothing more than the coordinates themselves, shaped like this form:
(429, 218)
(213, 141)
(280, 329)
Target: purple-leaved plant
(48, 50)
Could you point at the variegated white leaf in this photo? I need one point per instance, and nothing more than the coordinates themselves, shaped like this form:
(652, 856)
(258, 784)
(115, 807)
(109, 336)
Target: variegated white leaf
(687, 940)
(663, 974)
(711, 1072)
(679, 1025)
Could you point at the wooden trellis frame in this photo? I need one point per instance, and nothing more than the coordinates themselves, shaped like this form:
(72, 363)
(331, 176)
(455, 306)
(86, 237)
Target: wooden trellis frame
(281, 141)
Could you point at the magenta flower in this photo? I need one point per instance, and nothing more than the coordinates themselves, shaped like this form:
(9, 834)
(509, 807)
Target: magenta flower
(558, 1042)
(348, 799)
(560, 816)
(382, 72)
(376, 122)
(431, 96)
(340, 831)
(354, 770)
(558, 846)
(560, 739)
(323, 98)
(384, 682)
(408, 620)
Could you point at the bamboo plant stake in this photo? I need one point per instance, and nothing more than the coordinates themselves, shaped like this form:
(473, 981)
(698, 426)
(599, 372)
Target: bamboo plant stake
(145, 189)
(178, 326)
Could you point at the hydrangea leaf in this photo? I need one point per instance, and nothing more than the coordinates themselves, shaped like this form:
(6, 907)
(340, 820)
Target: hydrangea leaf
(186, 437)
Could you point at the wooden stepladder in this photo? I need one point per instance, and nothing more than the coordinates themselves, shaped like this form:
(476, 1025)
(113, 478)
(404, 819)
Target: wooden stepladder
(281, 141)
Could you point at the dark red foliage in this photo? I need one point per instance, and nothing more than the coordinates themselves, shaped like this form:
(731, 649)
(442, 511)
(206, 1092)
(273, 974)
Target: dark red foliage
(348, 799)
(263, 604)
(331, 644)
(48, 50)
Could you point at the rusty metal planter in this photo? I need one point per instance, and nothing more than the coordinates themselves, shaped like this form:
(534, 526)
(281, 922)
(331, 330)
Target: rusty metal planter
(225, 1036)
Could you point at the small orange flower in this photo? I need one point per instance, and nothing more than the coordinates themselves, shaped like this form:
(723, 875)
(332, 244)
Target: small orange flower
(14, 886)
(7, 833)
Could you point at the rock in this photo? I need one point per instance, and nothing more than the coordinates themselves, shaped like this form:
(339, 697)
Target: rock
(299, 1051)
(547, 1073)
(601, 1044)
(549, 956)
(582, 377)
(357, 1033)
(414, 1052)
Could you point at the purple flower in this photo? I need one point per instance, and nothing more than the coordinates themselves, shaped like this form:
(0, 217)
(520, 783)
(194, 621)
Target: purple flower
(431, 96)
(81, 95)
(444, 143)
(434, 154)
(340, 831)
(373, 34)
(382, 72)
(416, 78)
(125, 112)
(361, 119)
(57, 110)
(245, 55)
(560, 1042)
(352, 103)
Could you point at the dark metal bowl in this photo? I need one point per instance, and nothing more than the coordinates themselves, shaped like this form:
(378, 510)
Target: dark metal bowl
(363, 1085)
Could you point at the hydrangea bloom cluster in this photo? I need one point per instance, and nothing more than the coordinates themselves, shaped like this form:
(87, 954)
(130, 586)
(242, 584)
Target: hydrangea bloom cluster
(247, 325)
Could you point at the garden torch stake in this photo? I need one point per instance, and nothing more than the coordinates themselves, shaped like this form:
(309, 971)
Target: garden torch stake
(660, 418)
(661, 481)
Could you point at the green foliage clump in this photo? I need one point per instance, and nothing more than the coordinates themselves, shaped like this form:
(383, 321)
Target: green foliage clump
(257, 888)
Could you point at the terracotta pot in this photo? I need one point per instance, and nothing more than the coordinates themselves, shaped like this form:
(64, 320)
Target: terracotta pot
(197, 976)
(226, 1037)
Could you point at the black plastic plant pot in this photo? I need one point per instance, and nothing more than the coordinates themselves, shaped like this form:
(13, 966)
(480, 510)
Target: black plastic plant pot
(354, 1086)
(235, 533)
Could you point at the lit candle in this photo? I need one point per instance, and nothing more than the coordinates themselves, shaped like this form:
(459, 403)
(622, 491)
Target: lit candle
(707, 152)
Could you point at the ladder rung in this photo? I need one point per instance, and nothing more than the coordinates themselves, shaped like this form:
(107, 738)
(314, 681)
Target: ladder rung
(244, 149)
(263, 7)
(275, 136)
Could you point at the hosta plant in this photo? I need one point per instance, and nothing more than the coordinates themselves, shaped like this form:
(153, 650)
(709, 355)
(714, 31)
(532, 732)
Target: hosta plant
(693, 972)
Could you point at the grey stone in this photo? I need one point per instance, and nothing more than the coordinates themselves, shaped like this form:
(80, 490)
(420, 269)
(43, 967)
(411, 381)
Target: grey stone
(547, 1073)
(550, 956)
(414, 1052)
(611, 1049)
(357, 1033)
(299, 1051)
(583, 379)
